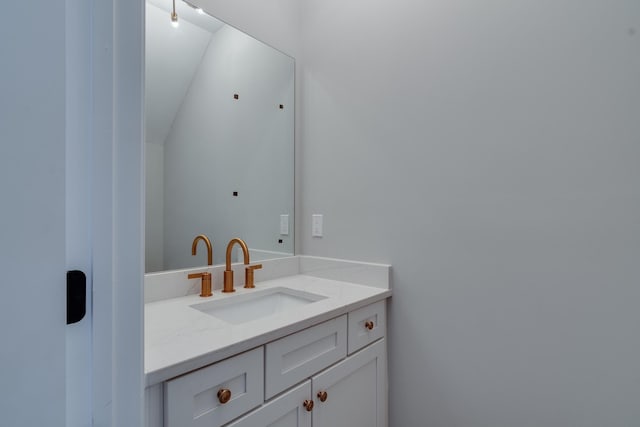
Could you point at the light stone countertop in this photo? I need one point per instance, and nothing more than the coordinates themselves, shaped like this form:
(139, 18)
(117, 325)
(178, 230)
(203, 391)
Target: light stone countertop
(180, 339)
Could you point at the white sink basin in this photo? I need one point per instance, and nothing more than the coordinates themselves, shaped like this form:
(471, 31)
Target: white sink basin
(255, 305)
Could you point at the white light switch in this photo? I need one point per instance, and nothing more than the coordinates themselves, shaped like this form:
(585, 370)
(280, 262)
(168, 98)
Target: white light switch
(316, 225)
(284, 225)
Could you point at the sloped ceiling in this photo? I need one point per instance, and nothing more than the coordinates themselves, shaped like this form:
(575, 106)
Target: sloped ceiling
(172, 57)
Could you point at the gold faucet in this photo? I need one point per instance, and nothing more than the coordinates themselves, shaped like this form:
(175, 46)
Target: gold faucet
(206, 240)
(228, 272)
(207, 281)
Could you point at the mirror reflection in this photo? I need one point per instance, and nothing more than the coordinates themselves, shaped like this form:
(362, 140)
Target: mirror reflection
(219, 141)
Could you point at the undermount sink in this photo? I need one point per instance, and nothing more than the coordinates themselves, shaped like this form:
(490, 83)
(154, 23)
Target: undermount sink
(255, 305)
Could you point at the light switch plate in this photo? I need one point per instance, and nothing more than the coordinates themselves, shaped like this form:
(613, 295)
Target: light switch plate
(284, 225)
(316, 225)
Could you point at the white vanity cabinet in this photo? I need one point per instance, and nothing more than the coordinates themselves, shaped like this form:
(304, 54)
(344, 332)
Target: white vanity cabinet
(331, 374)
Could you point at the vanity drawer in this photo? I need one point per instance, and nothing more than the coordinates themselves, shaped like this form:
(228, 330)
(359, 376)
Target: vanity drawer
(291, 359)
(192, 399)
(367, 325)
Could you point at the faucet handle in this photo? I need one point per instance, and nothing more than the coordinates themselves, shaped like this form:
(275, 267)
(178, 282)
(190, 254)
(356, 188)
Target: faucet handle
(205, 286)
(248, 275)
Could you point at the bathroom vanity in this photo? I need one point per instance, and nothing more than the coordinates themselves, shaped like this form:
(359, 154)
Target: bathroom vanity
(307, 345)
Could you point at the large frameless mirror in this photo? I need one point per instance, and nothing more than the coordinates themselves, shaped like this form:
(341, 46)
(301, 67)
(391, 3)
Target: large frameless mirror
(219, 139)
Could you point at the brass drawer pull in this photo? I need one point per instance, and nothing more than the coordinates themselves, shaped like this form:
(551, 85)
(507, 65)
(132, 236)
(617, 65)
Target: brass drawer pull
(224, 395)
(308, 405)
(322, 395)
(369, 324)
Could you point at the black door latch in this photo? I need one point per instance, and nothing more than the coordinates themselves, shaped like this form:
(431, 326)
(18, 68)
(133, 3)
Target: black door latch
(76, 296)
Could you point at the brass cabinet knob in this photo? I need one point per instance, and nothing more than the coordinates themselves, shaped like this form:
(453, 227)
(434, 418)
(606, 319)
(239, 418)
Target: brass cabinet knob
(308, 405)
(369, 324)
(224, 395)
(322, 395)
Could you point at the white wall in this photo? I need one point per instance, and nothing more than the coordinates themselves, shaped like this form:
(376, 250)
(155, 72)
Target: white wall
(489, 151)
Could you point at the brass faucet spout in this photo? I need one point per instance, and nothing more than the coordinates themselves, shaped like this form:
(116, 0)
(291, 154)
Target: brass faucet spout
(205, 239)
(245, 251)
(228, 272)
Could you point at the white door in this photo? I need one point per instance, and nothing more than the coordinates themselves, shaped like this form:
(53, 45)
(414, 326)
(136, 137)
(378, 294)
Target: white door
(32, 222)
(53, 86)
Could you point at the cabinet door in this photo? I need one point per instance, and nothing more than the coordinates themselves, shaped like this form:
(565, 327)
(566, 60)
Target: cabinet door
(285, 411)
(356, 391)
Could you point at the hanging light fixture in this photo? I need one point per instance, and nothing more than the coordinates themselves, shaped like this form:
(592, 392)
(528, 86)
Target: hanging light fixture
(174, 16)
